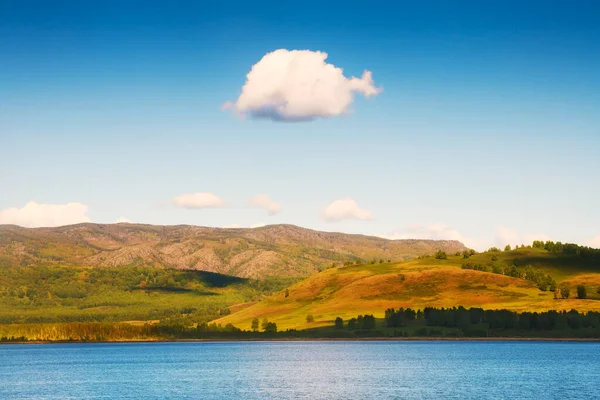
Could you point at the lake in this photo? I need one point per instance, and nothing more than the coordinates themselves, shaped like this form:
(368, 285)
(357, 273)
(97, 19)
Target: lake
(302, 370)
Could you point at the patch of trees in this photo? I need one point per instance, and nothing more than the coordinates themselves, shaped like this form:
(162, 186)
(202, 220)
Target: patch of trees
(567, 248)
(543, 281)
(362, 323)
(463, 318)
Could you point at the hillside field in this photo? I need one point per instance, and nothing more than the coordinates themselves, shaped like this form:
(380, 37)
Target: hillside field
(372, 288)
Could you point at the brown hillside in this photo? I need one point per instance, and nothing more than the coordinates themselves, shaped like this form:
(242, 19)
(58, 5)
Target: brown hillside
(275, 250)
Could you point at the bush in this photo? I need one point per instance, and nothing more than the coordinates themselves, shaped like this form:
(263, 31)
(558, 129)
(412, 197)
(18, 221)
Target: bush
(310, 318)
(441, 255)
(339, 323)
(581, 292)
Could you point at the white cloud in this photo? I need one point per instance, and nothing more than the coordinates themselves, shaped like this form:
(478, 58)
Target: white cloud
(265, 202)
(510, 236)
(198, 200)
(122, 220)
(594, 242)
(45, 215)
(298, 85)
(343, 209)
(433, 232)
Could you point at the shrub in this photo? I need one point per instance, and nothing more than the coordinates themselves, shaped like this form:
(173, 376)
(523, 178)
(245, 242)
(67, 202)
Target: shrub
(581, 292)
(441, 255)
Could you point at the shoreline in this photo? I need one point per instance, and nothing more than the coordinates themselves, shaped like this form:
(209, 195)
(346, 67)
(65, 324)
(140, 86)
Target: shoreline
(373, 339)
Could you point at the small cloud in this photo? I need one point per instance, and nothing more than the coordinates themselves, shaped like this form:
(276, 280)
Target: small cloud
(594, 242)
(510, 236)
(345, 209)
(122, 220)
(298, 85)
(265, 202)
(232, 226)
(198, 200)
(34, 215)
(432, 232)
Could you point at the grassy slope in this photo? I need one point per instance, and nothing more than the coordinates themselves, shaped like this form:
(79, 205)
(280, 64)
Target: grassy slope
(70, 294)
(349, 291)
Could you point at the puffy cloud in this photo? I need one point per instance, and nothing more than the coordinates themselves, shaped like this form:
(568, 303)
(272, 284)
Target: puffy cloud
(265, 202)
(433, 232)
(344, 209)
(298, 85)
(510, 236)
(237, 226)
(594, 242)
(122, 220)
(45, 215)
(198, 200)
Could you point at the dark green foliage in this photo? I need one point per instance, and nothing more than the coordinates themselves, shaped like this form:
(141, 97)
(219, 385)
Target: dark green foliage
(339, 323)
(43, 294)
(567, 248)
(398, 318)
(507, 248)
(441, 255)
(271, 327)
(310, 318)
(581, 292)
(255, 324)
(565, 292)
(494, 250)
(352, 324)
(543, 281)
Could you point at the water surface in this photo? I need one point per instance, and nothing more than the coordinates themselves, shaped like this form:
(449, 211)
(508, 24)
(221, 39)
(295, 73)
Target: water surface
(302, 370)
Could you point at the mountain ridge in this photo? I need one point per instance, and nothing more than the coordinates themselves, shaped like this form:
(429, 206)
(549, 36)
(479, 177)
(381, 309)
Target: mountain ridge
(272, 250)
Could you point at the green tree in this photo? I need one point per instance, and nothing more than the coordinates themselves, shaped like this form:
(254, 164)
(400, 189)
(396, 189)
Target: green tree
(581, 292)
(255, 323)
(310, 318)
(565, 292)
(339, 323)
(507, 248)
(271, 327)
(352, 322)
(265, 323)
(441, 255)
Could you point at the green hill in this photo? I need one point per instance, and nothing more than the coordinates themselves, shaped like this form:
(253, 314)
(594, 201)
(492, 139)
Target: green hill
(371, 288)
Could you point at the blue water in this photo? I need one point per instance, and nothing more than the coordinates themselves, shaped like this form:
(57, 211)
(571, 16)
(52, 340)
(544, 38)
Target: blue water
(302, 370)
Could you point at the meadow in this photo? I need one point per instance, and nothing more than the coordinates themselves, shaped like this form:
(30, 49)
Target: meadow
(59, 294)
(350, 290)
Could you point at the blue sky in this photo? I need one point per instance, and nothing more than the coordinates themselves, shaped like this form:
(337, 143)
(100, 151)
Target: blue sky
(487, 129)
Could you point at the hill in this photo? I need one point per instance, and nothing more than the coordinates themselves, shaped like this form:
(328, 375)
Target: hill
(429, 282)
(276, 250)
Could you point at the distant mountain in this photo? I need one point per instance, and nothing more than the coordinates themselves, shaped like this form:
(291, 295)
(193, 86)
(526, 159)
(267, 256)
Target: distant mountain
(274, 250)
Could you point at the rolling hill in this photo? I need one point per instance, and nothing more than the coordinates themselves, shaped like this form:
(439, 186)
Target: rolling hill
(276, 250)
(348, 291)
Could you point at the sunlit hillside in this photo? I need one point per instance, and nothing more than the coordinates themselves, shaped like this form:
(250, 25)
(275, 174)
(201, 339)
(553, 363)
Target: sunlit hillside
(371, 288)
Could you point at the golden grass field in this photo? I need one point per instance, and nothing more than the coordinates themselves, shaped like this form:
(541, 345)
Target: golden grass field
(370, 289)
